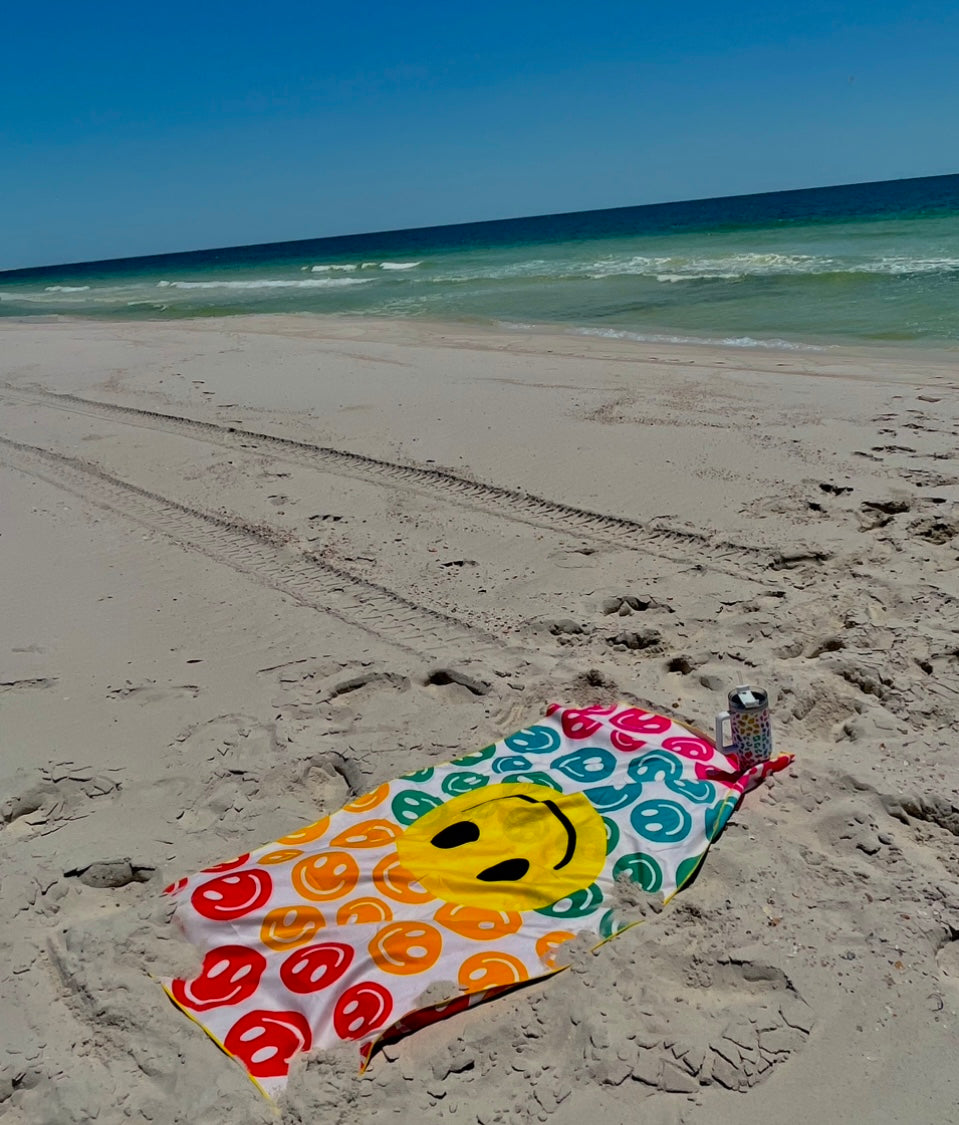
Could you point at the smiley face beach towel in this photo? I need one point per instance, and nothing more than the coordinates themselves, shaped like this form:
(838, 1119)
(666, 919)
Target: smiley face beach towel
(474, 872)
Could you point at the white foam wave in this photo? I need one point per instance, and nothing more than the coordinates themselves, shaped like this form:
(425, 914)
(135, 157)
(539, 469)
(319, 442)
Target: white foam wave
(728, 342)
(66, 289)
(666, 269)
(671, 270)
(672, 278)
(388, 265)
(267, 283)
(727, 268)
(739, 266)
(909, 265)
(51, 295)
(346, 266)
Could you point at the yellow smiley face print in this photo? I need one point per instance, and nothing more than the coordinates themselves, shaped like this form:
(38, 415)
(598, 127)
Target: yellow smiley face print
(514, 846)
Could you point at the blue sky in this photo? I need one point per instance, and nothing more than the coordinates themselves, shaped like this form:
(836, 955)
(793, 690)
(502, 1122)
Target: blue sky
(139, 128)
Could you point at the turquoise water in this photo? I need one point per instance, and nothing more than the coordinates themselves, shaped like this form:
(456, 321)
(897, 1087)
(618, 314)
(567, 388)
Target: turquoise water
(858, 263)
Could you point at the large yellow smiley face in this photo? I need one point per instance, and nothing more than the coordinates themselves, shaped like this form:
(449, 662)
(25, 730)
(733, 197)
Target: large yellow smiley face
(514, 846)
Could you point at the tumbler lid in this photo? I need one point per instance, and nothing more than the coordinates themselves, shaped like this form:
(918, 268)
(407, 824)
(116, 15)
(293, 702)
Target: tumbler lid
(746, 698)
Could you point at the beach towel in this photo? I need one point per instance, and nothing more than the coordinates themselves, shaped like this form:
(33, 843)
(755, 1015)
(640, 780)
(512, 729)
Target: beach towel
(450, 884)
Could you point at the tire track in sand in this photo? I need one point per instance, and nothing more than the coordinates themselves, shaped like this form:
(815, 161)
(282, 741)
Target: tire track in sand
(260, 553)
(671, 543)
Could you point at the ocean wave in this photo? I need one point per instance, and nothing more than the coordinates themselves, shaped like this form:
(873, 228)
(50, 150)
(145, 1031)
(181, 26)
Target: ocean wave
(908, 266)
(658, 268)
(66, 289)
(725, 341)
(730, 267)
(53, 297)
(389, 265)
(673, 278)
(779, 265)
(268, 283)
(329, 267)
(675, 269)
(533, 268)
(738, 267)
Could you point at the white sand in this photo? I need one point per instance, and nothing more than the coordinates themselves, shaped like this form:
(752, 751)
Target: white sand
(206, 637)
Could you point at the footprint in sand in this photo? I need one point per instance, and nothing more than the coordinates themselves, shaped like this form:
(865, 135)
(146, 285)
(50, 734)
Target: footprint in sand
(935, 530)
(636, 640)
(60, 796)
(626, 604)
(238, 743)
(111, 873)
(367, 679)
(455, 682)
(150, 692)
(34, 684)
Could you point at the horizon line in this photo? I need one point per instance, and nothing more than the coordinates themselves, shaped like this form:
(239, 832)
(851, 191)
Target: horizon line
(453, 226)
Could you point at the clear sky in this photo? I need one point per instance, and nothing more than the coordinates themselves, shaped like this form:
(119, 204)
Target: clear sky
(133, 128)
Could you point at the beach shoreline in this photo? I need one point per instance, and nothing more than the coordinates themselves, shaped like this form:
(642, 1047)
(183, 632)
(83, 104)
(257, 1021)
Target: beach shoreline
(476, 331)
(479, 332)
(560, 517)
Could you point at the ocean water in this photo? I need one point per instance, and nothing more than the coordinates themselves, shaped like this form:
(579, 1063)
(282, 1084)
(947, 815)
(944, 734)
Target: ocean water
(859, 263)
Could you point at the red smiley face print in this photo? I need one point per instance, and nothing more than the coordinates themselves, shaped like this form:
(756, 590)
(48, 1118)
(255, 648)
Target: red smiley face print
(689, 746)
(316, 966)
(361, 1010)
(635, 720)
(265, 1042)
(232, 896)
(230, 975)
(626, 742)
(580, 722)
